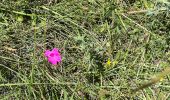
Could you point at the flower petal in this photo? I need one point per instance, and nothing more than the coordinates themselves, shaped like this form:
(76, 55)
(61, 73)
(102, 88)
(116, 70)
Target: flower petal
(55, 51)
(58, 58)
(47, 53)
(52, 60)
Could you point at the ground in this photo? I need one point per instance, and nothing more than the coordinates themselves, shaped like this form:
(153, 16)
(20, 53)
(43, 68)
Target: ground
(111, 49)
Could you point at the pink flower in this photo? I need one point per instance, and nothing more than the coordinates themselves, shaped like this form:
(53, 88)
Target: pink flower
(53, 56)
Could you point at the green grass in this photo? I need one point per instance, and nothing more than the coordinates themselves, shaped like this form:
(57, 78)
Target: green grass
(133, 36)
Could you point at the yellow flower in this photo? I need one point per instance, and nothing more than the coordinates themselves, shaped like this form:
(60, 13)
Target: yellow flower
(161, 79)
(108, 63)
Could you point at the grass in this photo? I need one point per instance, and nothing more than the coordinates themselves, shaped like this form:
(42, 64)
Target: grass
(109, 49)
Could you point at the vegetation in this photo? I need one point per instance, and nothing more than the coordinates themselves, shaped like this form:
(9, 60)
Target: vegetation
(110, 49)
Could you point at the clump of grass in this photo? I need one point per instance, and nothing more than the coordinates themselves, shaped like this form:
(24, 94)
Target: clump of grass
(107, 47)
(155, 80)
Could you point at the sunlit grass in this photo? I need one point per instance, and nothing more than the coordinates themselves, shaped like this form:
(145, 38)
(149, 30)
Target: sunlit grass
(110, 49)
